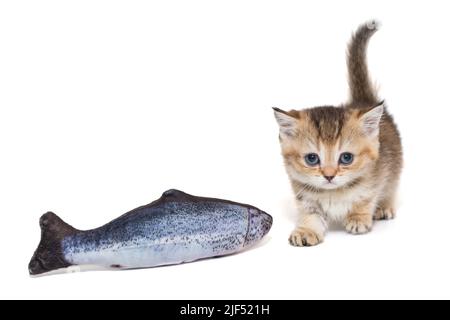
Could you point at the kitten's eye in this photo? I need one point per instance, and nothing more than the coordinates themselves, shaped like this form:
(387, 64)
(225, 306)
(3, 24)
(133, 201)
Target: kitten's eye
(346, 158)
(312, 159)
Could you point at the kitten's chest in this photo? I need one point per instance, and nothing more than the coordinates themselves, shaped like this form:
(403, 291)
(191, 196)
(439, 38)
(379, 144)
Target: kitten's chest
(337, 206)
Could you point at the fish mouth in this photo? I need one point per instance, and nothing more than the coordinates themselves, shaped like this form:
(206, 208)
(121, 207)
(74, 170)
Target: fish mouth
(259, 224)
(266, 221)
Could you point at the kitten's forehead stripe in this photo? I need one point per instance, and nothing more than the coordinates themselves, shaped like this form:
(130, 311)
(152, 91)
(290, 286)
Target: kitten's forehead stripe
(328, 121)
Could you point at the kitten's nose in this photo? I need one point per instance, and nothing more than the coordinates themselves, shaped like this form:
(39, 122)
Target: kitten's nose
(329, 172)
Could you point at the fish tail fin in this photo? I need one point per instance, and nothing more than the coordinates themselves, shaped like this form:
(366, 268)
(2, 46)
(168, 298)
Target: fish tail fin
(362, 91)
(48, 255)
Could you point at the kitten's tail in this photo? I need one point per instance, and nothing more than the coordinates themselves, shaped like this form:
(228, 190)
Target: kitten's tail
(362, 91)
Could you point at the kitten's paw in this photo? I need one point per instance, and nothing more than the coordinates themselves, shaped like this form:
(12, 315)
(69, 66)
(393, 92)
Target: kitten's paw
(384, 214)
(305, 237)
(358, 223)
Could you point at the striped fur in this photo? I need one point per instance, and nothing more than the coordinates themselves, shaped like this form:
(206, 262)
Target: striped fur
(362, 191)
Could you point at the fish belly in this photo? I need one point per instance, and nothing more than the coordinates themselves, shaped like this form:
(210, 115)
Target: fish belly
(132, 256)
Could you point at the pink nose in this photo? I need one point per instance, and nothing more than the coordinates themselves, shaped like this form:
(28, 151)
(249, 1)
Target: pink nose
(329, 172)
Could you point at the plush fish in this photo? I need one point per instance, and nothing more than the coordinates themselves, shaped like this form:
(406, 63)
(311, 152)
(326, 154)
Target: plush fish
(174, 229)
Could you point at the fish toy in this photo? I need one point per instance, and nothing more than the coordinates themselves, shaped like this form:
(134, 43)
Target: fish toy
(174, 229)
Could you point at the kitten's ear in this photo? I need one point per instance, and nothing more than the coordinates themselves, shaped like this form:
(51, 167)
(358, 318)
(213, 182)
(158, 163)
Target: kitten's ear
(370, 120)
(287, 123)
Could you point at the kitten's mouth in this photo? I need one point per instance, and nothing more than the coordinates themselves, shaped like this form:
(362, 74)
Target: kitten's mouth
(332, 185)
(329, 185)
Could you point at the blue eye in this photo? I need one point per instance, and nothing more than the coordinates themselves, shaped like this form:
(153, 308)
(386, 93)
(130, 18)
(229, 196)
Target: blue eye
(346, 158)
(312, 159)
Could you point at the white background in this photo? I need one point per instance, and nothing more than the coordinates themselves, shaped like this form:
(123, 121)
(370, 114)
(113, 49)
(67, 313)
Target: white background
(106, 104)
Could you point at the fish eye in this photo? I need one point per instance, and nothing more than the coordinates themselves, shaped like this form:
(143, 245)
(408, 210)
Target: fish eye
(346, 158)
(312, 159)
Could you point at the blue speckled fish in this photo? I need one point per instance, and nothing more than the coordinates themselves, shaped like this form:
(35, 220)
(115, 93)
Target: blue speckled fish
(174, 229)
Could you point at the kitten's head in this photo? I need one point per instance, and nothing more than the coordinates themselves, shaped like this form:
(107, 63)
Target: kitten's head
(329, 147)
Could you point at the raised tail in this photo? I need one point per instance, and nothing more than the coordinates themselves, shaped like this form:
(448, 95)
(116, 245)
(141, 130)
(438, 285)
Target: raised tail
(49, 256)
(362, 91)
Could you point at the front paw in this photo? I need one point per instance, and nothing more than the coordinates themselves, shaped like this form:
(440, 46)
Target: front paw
(305, 237)
(384, 214)
(358, 223)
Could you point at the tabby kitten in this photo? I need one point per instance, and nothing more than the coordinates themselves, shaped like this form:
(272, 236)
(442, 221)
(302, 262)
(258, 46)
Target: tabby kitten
(343, 162)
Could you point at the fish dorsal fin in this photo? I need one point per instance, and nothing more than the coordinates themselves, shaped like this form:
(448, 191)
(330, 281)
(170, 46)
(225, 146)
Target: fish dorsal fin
(174, 194)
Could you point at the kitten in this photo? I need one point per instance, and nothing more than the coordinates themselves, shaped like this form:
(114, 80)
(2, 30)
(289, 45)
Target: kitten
(343, 162)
